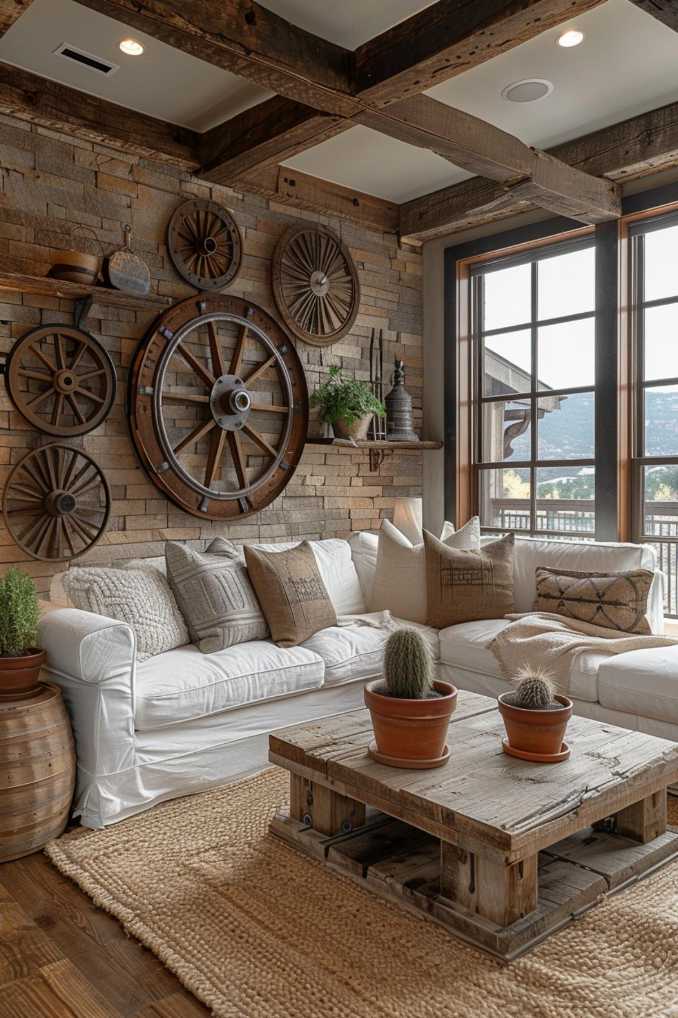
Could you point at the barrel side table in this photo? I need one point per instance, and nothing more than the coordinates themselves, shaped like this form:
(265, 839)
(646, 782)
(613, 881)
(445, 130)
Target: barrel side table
(37, 771)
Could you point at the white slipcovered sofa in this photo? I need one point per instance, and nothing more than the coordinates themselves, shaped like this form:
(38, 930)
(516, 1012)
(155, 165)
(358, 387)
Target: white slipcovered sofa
(182, 720)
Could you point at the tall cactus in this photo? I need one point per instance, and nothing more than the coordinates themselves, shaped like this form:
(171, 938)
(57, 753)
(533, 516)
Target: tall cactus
(534, 689)
(407, 665)
(19, 613)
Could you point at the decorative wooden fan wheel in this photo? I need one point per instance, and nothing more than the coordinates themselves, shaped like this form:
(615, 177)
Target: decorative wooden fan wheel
(218, 406)
(61, 380)
(204, 244)
(56, 503)
(315, 284)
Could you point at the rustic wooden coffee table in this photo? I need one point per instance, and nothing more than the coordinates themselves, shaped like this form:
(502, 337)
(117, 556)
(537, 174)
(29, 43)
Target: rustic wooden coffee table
(500, 851)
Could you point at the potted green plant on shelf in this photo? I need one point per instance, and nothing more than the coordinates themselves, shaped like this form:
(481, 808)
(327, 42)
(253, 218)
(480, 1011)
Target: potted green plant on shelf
(348, 405)
(410, 709)
(535, 718)
(20, 659)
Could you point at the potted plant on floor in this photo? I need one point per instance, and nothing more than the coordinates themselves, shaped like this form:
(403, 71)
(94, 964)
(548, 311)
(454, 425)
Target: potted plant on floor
(410, 710)
(535, 718)
(346, 404)
(20, 659)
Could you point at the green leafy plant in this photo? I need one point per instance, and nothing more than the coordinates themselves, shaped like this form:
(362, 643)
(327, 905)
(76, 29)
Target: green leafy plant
(345, 399)
(534, 690)
(407, 666)
(19, 614)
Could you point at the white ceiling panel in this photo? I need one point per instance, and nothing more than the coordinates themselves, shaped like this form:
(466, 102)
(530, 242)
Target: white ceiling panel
(349, 23)
(163, 82)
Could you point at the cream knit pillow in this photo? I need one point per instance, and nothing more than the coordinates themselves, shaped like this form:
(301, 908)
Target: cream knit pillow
(400, 578)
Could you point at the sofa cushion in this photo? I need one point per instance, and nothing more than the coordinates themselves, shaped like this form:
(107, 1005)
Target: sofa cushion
(467, 646)
(364, 547)
(612, 600)
(333, 556)
(357, 652)
(463, 586)
(643, 682)
(184, 684)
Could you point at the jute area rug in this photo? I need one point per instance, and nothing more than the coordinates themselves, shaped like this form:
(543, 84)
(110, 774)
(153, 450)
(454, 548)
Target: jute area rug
(257, 931)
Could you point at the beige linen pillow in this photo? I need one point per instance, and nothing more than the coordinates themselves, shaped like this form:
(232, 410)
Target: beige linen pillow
(291, 592)
(612, 600)
(399, 584)
(463, 586)
(215, 595)
(140, 597)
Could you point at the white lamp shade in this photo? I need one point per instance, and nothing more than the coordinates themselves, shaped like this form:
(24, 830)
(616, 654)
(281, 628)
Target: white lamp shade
(407, 517)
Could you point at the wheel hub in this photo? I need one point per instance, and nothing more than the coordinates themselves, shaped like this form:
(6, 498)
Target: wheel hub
(320, 284)
(230, 402)
(60, 503)
(209, 245)
(65, 381)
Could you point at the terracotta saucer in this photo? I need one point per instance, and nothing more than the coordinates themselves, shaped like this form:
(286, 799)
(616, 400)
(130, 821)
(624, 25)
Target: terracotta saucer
(522, 754)
(410, 765)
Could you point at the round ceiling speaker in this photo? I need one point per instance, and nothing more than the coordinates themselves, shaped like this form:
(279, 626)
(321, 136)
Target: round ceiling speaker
(527, 91)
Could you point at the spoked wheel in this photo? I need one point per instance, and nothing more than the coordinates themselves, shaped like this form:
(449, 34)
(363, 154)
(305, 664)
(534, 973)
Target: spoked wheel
(204, 244)
(61, 380)
(218, 406)
(56, 503)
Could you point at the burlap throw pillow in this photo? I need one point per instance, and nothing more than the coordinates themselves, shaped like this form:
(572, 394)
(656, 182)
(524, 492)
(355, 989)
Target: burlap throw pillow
(215, 595)
(612, 600)
(463, 586)
(291, 593)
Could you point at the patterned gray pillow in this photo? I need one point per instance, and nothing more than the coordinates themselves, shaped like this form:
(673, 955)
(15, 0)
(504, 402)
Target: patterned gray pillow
(215, 595)
(140, 597)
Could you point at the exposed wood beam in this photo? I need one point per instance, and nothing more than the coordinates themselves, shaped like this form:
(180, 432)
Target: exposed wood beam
(61, 108)
(264, 135)
(630, 149)
(11, 11)
(665, 11)
(246, 39)
(448, 38)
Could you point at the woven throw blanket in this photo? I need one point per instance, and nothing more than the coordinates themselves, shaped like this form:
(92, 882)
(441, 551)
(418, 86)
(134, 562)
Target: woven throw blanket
(554, 643)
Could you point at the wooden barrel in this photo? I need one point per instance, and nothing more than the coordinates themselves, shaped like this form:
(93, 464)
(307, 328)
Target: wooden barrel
(37, 772)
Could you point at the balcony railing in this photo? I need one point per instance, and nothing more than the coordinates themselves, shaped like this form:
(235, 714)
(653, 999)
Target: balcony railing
(574, 519)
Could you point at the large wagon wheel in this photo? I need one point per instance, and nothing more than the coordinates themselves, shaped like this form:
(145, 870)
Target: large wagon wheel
(218, 406)
(61, 380)
(56, 503)
(315, 284)
(204, 244)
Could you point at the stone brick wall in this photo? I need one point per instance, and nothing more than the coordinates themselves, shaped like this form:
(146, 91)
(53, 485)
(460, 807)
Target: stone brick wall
(60, 193)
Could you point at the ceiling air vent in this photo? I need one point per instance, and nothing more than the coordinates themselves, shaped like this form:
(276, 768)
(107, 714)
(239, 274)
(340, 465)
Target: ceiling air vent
(80, 56)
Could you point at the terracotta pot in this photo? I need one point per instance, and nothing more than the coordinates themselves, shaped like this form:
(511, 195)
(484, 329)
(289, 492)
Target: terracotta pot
(19, 675)
(540, 732)
(76, 267)
(357, 430)
(413, 730)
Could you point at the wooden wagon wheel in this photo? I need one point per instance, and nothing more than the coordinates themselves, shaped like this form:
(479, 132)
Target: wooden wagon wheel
(61, 380)
(204, 244)
(315, 284)
(218, 406)
(56, 503)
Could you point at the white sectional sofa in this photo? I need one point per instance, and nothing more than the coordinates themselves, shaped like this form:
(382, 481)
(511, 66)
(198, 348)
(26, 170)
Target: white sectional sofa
(182, 720)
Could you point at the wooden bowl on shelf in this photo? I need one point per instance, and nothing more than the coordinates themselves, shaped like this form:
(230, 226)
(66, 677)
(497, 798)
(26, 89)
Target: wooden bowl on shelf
(76, 267)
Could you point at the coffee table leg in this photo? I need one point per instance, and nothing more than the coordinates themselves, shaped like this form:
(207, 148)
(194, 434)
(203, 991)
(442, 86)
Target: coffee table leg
(322, 809)
(645, 820)
(488, 887)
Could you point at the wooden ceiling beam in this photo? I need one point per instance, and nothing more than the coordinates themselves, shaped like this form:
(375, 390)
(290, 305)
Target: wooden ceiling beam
(665, 11)
(11, 11)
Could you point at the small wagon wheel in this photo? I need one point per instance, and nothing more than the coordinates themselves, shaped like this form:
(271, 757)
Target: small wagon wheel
(56, 503)
(315, 284)
(61, 380)
(204, 244)
(218, 406)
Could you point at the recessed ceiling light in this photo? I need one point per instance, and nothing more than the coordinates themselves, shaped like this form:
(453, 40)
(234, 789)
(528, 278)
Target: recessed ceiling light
(527, 91)
(570, 38)
(131, 47)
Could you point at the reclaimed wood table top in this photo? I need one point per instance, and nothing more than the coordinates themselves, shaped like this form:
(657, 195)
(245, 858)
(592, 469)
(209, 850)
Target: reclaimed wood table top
(482, 798)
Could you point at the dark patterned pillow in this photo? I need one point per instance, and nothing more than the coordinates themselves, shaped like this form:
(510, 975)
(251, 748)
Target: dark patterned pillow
(463, 586)
(291, 593)
(612, 600)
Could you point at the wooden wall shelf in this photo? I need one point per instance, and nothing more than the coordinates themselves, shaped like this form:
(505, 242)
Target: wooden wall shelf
(48, 287)
(344, 443)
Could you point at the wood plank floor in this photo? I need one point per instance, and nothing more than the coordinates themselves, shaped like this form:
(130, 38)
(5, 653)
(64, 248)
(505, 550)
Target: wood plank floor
(61, 957)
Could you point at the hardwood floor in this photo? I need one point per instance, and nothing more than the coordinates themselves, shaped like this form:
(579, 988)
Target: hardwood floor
(61, 957)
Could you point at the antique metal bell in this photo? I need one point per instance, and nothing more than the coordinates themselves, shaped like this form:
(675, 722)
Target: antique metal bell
(399, 424)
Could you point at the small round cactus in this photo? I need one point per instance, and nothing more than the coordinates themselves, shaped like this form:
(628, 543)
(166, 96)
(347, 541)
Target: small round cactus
(407, 665)
(534, 689)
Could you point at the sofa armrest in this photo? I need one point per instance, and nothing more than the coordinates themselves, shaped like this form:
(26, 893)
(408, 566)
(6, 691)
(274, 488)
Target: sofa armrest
(92, 659)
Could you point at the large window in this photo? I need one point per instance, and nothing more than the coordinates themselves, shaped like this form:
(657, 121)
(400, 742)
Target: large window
(533, 341)
(654, 259)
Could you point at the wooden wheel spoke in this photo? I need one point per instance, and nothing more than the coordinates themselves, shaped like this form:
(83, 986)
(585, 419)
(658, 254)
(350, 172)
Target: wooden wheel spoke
(74, 485)
(234, 366)
(238, 458)
(72, 402)
(87, 533)
(29, 494)
(59, 351)
(51, 469)
(34, 348)
(58, 408)
(215, 351)
(271, 408)
(194, 363)
(79, 355)
(67, 534)
(38, 376)
(259, 440)
(194, 436)
(40, 398)
(89, 395)
(258, 371)
(90, 374)
(185, 397)
(215, 457)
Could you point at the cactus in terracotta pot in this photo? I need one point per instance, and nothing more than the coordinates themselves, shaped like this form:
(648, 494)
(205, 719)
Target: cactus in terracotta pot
(534, 690)
(535, 718)
(407, 665)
